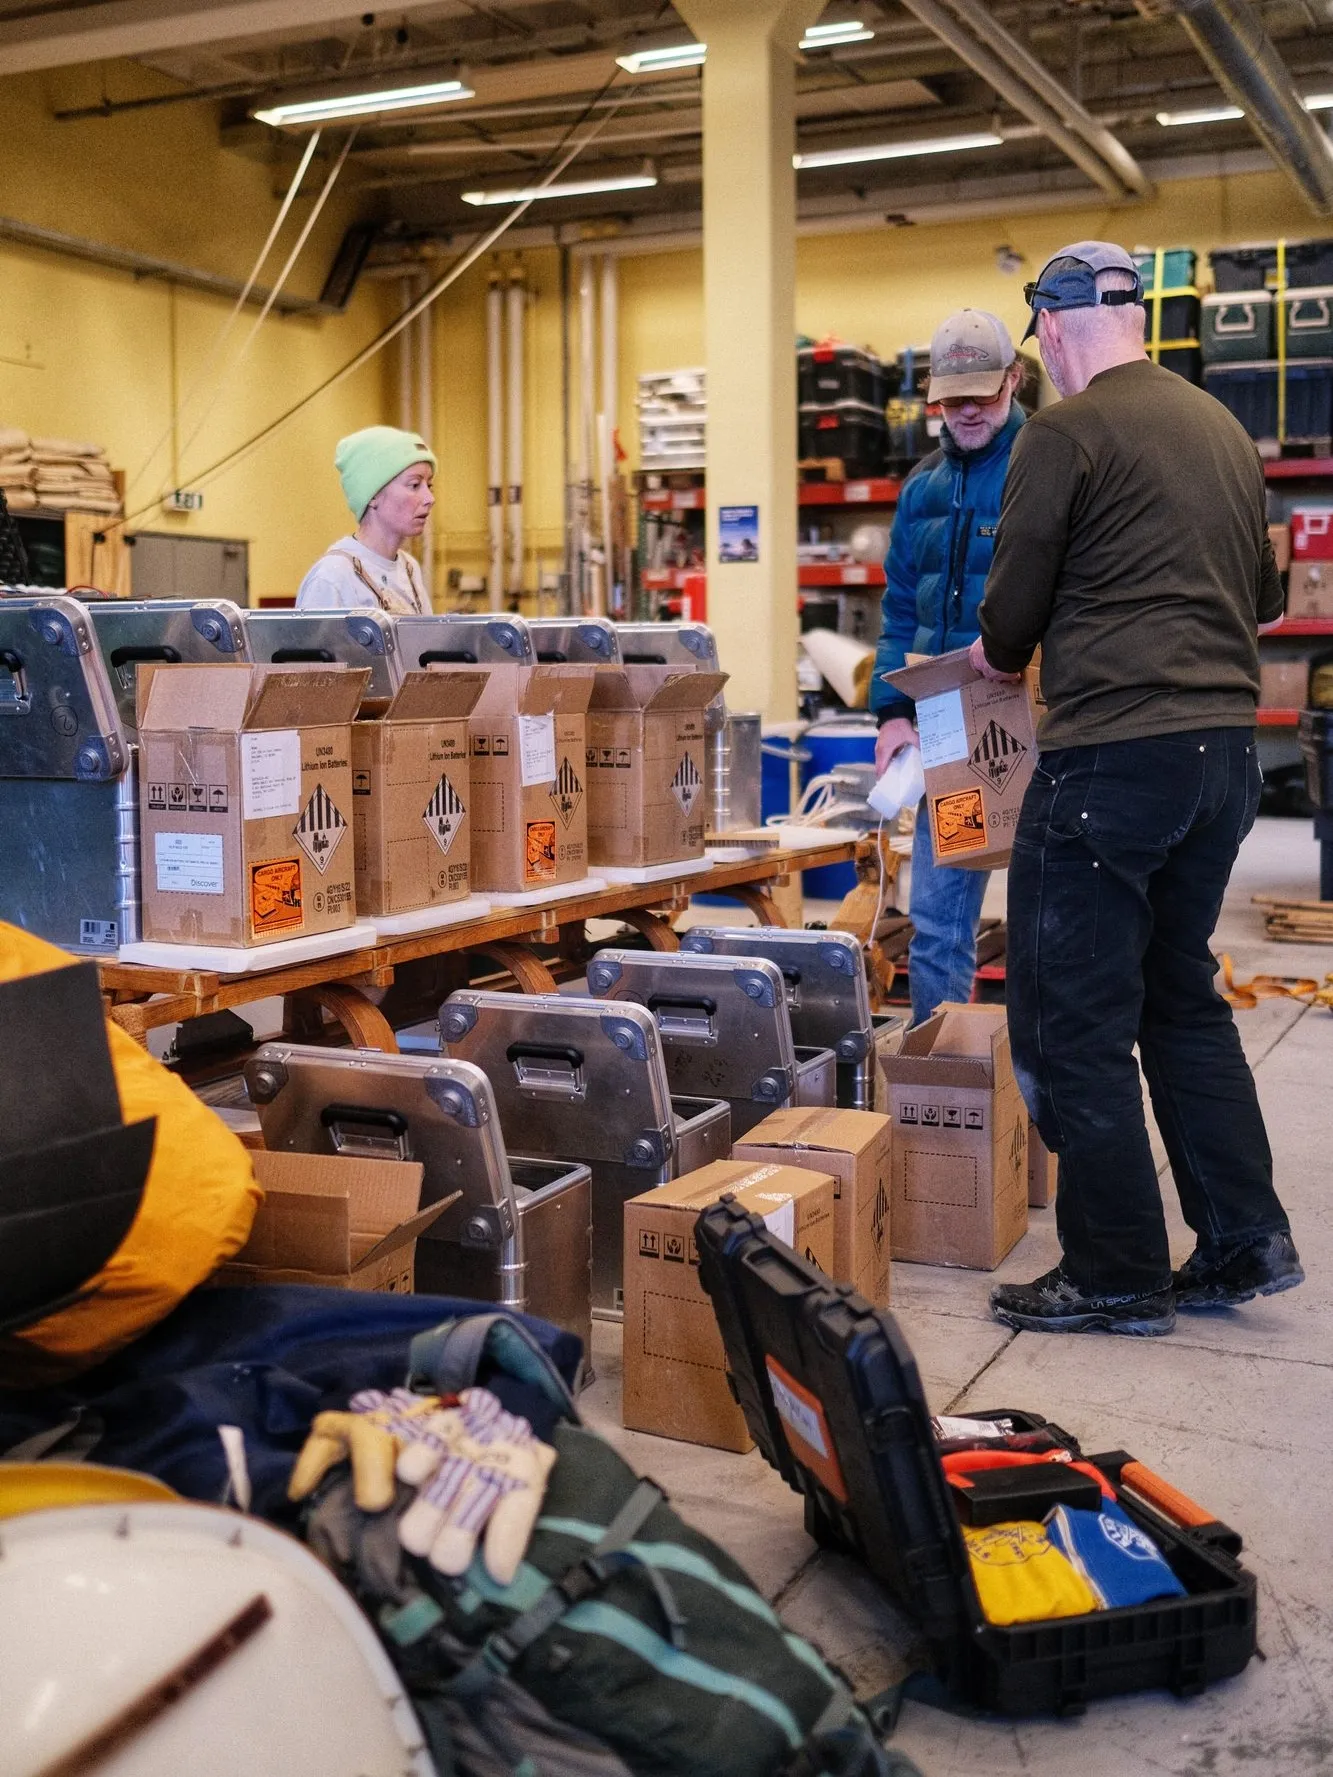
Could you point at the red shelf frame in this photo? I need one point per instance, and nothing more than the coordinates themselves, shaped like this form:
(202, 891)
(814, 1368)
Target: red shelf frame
(1277, 718)
(858, 576)
(1300, 626)
(668, 579)
(1297, 468)
(675, 499)
(881, 491)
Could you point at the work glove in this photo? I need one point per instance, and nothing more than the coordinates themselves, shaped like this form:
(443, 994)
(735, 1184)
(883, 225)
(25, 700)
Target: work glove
(373, 1434)
(478, 1469)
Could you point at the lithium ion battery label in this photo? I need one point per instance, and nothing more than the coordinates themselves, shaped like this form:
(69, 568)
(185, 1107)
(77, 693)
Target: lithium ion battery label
(188, 863)
(943, 730)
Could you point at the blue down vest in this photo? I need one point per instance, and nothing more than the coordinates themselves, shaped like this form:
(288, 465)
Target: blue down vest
(939, 555)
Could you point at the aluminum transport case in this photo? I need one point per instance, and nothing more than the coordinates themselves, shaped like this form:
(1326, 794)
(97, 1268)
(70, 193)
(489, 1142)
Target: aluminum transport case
(136, 632)
(521, 1232)
(587, 641)
(668, 644)
(462, 639)
(68, 794)
(578, 1080)
(832, 1396)
(724, 1028)
(828, 999)
(356, 638)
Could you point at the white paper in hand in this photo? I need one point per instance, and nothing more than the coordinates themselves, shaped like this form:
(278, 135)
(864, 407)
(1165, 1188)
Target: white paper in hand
(902, 785)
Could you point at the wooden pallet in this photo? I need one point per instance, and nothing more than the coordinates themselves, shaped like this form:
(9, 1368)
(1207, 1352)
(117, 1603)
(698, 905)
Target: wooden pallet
(1297, 922)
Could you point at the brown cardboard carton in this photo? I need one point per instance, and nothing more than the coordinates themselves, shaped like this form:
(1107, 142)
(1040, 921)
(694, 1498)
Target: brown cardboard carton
(1279, 535)
(350, 1224)
(1043, 1170)
(528, 739)
(410, 795)
(245, 802)
(647, 765)
(857, 1148)
(978, 748)
(1310, 589)
(1284, 684)
(675, 1380)
(960, 1141)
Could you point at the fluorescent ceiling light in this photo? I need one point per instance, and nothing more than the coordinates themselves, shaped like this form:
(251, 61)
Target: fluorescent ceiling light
(518, 194)
(653, 61)
(826, 36)
(847, 157)
(1206, 114)
(1319, 102)
(365, 104)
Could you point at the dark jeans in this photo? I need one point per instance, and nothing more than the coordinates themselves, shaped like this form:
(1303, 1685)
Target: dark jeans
(1121, 858)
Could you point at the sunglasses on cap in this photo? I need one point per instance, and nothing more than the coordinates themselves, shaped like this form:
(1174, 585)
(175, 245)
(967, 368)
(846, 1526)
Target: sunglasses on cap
(1072, 284)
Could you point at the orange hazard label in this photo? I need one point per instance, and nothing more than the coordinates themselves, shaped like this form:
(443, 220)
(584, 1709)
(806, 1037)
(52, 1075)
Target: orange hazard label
(806, 1428)
(959, 820)
(275, 896)
(539, 861)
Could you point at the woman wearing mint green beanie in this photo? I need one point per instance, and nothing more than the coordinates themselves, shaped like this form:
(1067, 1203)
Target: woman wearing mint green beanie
(386, 477)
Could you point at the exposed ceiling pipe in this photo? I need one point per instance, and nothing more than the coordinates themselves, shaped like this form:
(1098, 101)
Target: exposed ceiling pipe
(1232, 41)
(516, 307)
(1078, 118)
(425, 404)
(495, 511)
(1011, 86)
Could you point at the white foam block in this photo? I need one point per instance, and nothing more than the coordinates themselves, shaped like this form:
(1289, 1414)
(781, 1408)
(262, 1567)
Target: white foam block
(657, 872)
(540, 897)
(221, 960)
(431, 919)
(794, 838)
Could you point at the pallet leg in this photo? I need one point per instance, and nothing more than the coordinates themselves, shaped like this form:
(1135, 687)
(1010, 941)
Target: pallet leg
(652, 926)
(303, 1016)
(524, 965)
(758, 900)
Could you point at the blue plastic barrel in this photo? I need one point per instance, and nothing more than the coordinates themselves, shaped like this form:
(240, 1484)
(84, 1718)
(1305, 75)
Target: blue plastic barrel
(842, 740)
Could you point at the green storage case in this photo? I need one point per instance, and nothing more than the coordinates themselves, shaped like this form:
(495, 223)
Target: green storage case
(1177, 266)
(1238, 327)
(1309, 319)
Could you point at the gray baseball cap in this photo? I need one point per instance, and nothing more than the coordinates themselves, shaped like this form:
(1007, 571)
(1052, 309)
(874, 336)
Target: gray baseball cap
(969, 355)
(1068, 280)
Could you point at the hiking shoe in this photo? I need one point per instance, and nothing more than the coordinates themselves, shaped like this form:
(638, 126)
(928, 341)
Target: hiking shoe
(1055, 1304)
(1262, 1268)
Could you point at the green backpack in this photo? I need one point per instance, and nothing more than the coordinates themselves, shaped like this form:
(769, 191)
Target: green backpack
(623, 1626)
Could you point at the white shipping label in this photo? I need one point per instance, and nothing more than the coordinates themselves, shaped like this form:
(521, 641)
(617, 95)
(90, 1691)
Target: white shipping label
(189, 863)
(803, 1420)
(536, 749)
(782, 1221)
(943, 731)
(271, 773)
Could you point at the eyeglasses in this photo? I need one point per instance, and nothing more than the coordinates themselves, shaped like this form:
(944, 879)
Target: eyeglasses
(952, 403)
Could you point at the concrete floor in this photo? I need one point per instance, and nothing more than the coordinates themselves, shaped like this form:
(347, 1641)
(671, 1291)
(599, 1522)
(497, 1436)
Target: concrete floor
(1236, 1408)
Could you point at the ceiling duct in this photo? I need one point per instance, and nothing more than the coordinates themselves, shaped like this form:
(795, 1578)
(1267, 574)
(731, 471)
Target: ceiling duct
(1242, 56)
(1018, 78)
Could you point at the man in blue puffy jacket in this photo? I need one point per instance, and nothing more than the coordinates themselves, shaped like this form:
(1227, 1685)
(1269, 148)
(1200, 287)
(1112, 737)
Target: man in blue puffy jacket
(940, 552)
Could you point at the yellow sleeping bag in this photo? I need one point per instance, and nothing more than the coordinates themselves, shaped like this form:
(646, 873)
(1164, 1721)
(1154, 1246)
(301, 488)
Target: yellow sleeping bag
(199, 1201)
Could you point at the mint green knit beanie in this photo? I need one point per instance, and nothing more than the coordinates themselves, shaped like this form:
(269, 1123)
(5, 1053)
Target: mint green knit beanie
(368, 460)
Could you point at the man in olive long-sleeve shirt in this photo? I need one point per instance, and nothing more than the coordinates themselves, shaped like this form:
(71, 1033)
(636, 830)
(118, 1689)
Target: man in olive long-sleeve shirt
(1133, 549)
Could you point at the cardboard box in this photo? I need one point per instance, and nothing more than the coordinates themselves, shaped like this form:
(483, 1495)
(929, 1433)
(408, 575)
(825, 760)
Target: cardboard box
(647, 764)
(345, 1223)
(856, 1147)
(675, 1378)
(1279, 535)
(1284, 684)
(978, 748)
(1310, 589)
(245, 802)
(1043, 1170)
(960, 1142)
(528, 740)
(410, 795)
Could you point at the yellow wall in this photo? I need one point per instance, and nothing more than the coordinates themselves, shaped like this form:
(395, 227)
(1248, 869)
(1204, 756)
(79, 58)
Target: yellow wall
(102, 343)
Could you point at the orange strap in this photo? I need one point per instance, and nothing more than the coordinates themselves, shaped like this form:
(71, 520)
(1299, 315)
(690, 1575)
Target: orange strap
(1245, 995)
(1178, 1506)
(962, 1463)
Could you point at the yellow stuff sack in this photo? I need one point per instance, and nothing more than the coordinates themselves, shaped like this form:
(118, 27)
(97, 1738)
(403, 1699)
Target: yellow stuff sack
(1021, 1577)
(199, 1201)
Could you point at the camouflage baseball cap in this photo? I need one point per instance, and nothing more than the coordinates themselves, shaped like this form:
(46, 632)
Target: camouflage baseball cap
(969, 355)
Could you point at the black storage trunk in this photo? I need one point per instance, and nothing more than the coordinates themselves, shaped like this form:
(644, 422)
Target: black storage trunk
(1181, 313)
(1242, 268)
(828, 374)
(1316, 737)
(1308, 264)
(1250, 391)
(850, 431)
(849, 1383)
(1184, 356)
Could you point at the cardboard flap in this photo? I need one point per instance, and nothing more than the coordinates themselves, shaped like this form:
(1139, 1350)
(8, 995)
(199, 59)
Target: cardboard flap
(924, 1060)
(654, 688)
(400, 1235)
(970, 1030)
(428, 696)
(823, 1129)
(569, 688)
(304, 696)
(176, 697)
(928, 678)
(325, 1214)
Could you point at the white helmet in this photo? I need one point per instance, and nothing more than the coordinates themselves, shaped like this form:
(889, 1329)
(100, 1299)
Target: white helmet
(98, 1604)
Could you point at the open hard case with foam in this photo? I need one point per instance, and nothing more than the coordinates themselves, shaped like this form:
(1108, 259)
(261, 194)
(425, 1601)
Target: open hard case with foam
(846, 1380)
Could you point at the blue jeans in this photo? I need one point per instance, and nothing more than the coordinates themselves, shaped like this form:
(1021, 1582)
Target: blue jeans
(1121, 858)
(945, 906)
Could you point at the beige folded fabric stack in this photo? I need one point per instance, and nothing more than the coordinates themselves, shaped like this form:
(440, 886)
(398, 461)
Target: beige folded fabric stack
(18, 471)
(73, 476)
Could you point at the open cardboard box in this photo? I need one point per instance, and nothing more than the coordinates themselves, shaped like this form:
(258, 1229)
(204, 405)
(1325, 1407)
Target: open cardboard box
(338, 1221)
(647, 764)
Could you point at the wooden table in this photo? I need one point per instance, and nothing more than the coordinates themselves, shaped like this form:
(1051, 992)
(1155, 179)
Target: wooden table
(141, 998)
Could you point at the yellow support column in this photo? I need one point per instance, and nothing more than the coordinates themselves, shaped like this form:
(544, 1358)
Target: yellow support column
(750, 338)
